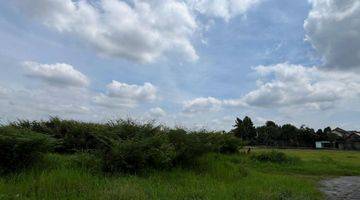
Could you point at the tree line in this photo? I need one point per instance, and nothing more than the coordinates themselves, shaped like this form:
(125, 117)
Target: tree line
(272, 134)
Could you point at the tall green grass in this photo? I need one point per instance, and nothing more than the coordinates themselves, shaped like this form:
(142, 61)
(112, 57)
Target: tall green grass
(215, 176)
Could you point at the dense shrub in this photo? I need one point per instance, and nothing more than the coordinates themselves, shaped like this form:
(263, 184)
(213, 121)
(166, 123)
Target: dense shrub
(130, 129)
(164, 149)
(20, 148)
(188, 146)
(229, 144)
(72, 135)
(274, 156)
(129, 146)
(137, 154)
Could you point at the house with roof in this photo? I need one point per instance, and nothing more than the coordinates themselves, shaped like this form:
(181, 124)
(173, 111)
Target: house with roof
(340, 132)
(341, 139)
(352, 142)
(349, 140)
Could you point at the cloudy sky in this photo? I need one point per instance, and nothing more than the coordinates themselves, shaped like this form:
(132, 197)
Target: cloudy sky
(193, 63)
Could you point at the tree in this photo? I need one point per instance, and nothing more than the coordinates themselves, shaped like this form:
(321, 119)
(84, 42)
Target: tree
(306, 136)
(321, 135)
(270, 124)
(245, 129)
(238, 130)
(289, 132)
(249, 129)
(273, 132)
(268, 134)
(327, 130)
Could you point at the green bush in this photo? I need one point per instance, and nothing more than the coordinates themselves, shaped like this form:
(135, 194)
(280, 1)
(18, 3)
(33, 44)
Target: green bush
(20, 148)
(130, 129)
(229, 144)
(188, 146)
(138, 154)
(129, 146)
(72, 136)
(274, 156)
(165, 149)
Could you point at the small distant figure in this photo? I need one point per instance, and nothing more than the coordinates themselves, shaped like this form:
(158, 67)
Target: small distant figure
(248, 151)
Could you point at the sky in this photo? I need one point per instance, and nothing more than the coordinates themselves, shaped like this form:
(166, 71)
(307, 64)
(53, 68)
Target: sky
(190, 63)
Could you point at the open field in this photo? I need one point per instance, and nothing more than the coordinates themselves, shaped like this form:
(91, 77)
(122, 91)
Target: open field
(216, 177)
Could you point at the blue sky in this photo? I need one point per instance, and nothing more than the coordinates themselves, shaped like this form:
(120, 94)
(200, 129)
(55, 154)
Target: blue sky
(194, 63)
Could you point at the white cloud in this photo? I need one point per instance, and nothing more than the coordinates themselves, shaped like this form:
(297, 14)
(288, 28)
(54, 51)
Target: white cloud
(44, 102)
(123, 90)
(60, 74)
(125, 95)
(200, 105)
(225, 9)
(285, 85)
(138, 30)
(3, 92)
(333, 28)
(157, 112)
(289, 86)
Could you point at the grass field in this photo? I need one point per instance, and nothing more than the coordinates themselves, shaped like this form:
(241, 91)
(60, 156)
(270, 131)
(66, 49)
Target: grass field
(216, 177)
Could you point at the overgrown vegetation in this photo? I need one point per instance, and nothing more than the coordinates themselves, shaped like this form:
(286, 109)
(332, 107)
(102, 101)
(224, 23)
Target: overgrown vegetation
(275, 157)
(216, 176)
(65, 159)
(124, 146)
(21, 148)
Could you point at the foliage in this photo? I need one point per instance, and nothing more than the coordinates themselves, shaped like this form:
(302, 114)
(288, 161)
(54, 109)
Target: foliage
(137, 154)
(21, 148)
(228, 144)
(130, 146)
(245, 129)
(286, 135)
(274, 156)
(166, 149)
(71, 135)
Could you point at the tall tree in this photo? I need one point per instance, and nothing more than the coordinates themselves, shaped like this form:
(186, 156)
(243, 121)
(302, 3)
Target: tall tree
(245, 129)
(249, 129)
(238, 128)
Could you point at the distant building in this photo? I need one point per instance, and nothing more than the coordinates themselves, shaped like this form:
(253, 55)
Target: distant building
(352, 142)
(340, 132)
(323, 144)
(349, 140)
(341, 139)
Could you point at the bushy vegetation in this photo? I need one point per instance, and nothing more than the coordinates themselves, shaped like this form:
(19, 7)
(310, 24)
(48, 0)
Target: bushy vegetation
(20, 148)
(71, 135)
(127, 146)
(76, 160)
(275, 157)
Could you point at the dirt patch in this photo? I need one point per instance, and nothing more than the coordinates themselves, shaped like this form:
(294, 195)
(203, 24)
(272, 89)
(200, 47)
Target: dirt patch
(344, 188)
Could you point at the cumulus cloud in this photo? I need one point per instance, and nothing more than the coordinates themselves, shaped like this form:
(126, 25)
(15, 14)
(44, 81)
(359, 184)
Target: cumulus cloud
(157, 112)
(138, 30)
(200, 105)
(225, 9)
(285, 84)
(125, 95)
(59, 74)
(44, 102)
(333, 28)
